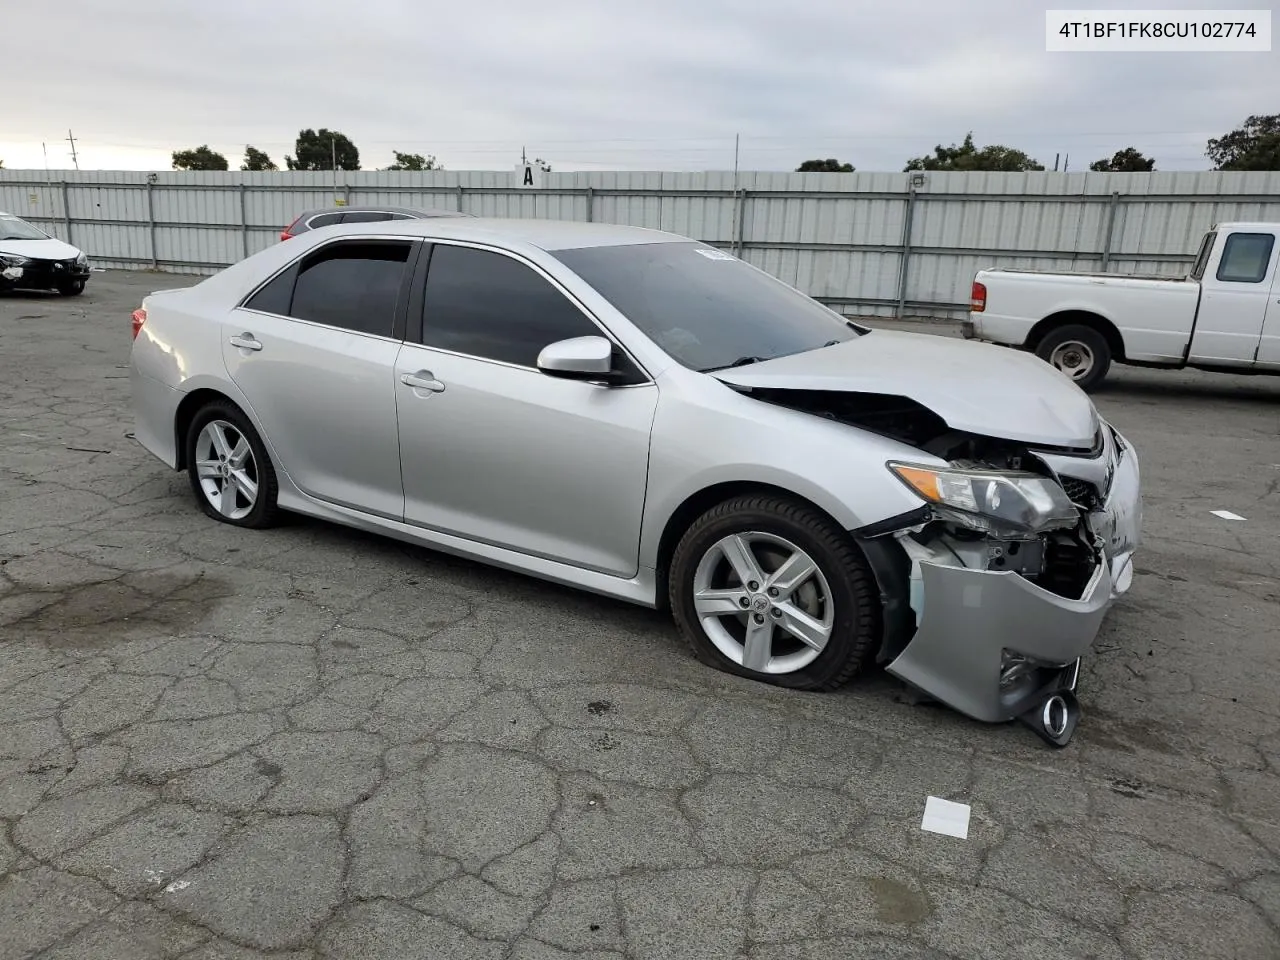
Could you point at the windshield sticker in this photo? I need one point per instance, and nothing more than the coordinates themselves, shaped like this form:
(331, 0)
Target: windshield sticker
(711, 254)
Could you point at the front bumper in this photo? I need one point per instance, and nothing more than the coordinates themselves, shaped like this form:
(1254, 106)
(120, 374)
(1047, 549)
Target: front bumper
(972, 622)
(39, 274)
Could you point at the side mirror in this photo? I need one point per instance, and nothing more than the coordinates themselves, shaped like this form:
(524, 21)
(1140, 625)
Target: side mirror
(578, 358)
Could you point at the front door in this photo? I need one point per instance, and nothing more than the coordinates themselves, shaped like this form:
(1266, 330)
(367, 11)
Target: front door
(314, 352)
(495, 451)
(1234, 301)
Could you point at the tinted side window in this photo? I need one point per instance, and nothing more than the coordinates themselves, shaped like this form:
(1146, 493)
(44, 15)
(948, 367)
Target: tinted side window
(489, 305)
(353, 285)
(1245, 257)
(276, 295)
(365, 216)
(324, 220)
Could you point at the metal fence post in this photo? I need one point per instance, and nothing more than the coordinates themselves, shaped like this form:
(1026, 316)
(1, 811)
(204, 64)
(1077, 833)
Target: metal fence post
(742, 221)
(151, 224)
(346, 194)
(591, 196)
(66, 209)
(1112, 205)
(908, 217)
(460, 198)
(244, 221)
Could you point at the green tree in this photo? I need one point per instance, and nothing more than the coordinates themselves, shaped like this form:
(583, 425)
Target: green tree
(255, 159)
(968, 157)
(1254, 146)
(829, 165)
(317, 150)
(201, 158)
(414, 161)
(1128, 160)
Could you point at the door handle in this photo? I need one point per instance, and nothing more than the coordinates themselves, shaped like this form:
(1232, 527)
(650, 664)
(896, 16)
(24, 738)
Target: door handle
(422, 380)
(246, 341)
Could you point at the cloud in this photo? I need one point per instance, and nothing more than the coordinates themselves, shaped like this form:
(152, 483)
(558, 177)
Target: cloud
(660, 85)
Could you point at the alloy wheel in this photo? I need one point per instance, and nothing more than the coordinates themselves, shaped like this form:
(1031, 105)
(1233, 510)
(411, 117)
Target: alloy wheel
(764, 602)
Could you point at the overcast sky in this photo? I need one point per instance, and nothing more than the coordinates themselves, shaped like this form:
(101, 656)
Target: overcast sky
(591, 84)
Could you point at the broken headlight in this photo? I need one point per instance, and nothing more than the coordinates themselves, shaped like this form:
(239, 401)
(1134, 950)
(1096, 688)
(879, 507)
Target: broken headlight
(13, 260)
(991, 501)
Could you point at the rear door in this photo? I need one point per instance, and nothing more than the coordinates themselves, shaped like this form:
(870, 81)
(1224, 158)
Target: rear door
(314, 351)
(1235, 299)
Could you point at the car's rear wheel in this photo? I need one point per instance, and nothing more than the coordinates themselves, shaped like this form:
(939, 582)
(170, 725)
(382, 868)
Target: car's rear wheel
(230, 471)
(769, 588)
(1080, 352)
(72, 289)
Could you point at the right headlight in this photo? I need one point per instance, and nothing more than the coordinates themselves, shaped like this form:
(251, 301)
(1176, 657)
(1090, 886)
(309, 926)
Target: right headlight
(992, 501)
(13, 260)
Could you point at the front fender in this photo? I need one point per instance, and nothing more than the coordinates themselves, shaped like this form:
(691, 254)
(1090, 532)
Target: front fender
(735, 439)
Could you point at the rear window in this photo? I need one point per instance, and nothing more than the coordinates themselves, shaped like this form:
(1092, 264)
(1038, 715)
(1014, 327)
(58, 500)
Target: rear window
(324, 220)
(365, 216)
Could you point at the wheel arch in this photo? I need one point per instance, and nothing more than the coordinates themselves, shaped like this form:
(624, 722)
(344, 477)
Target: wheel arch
(192, 404)
(698, 503)
(1085, 318)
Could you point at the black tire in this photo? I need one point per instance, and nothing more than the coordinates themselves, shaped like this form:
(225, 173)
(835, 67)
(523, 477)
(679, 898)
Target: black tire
(72, 289)
(1095, 345)
(857, 616)
(264, 512)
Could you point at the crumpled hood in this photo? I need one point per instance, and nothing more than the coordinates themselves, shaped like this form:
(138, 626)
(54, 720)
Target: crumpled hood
(975, 387)
(40, 249)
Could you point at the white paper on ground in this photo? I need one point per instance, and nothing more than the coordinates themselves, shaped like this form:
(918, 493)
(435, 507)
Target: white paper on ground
(946, 817)
(1226, 515)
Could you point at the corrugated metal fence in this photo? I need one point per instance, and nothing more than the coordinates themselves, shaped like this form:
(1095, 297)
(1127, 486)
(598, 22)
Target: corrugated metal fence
(867, 243)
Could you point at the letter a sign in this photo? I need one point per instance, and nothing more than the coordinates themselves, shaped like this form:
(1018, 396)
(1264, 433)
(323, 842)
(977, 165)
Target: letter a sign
(529, 176)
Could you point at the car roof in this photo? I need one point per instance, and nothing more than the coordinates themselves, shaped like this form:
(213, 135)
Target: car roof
(383, 208)
(544, 234)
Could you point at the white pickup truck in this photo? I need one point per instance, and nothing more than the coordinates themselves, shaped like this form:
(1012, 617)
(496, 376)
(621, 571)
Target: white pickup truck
(1225, 315)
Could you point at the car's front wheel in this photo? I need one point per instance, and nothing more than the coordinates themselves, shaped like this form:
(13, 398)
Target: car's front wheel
(72, 289)
(230, 471)
(769, 588)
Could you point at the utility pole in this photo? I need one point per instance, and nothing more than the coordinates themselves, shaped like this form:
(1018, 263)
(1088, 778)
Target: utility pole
(72, 140)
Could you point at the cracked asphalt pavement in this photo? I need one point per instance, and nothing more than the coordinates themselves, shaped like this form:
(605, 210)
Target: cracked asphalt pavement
(312, 743)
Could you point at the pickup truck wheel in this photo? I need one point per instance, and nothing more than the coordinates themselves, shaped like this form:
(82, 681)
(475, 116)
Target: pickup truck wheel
(1080, 352)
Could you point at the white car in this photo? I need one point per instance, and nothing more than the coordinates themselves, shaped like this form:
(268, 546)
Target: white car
(30, 259)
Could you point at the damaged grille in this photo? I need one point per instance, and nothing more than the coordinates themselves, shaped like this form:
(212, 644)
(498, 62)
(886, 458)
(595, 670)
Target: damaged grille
(1081, 492)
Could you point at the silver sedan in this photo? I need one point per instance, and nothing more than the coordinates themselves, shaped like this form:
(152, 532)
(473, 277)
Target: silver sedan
(647, 417)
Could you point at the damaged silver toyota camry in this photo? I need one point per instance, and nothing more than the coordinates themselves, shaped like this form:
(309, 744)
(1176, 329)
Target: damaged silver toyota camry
(645, 416)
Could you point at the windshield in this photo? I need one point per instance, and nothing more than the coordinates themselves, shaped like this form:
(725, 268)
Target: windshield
(11, 228)
(705, 308)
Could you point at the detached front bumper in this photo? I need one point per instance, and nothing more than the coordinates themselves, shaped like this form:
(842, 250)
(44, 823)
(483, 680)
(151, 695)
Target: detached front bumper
(994, 645)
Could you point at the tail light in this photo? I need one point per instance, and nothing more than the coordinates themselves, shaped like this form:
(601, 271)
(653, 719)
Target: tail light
(286, 233)
(979, 299)
(139, 318)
